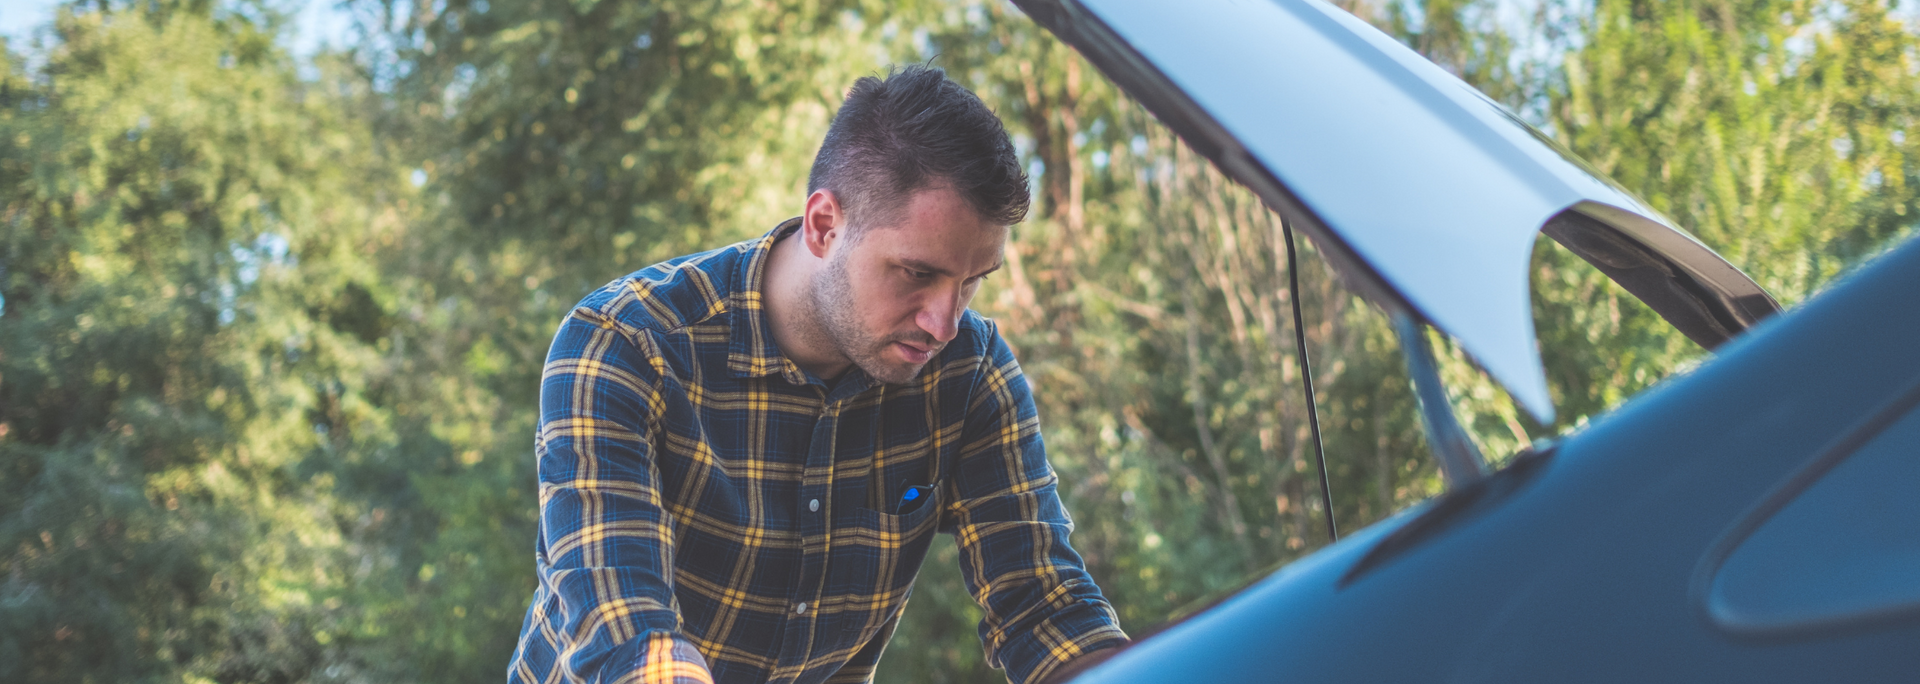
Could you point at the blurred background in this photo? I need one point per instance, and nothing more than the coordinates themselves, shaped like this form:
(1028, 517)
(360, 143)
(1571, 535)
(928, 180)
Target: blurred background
(276, 282)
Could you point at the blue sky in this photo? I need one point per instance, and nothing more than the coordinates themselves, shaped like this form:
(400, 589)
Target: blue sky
(318, 22)
(18, 17)
(321, 22)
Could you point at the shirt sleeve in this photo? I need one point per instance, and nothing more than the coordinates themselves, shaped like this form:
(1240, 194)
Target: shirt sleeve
(1041, 609)
(604, 537)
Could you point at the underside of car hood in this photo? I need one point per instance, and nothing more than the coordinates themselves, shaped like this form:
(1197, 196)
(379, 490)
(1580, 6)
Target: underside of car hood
(1425, 195)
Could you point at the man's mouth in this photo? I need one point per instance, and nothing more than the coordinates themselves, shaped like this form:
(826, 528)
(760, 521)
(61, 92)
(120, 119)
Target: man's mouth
(916, 353)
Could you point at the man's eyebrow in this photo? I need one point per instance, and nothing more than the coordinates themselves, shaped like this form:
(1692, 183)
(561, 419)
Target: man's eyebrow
(919, 265)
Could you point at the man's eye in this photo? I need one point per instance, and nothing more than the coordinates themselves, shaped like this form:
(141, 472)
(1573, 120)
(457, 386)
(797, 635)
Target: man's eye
(919, 275)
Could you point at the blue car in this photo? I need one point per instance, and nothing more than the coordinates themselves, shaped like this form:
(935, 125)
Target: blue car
(1757, 520)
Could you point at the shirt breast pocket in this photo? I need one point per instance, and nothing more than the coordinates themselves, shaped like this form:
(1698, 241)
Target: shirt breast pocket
(871, 566)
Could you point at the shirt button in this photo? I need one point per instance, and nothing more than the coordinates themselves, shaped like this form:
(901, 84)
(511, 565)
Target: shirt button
(814, 505)
(800, 609)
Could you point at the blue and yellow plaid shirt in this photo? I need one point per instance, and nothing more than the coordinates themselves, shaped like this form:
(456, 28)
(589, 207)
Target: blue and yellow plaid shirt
(708, 509)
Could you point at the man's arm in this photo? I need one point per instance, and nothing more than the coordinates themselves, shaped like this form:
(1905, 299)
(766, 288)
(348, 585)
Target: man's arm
(1041, 608)
(604, 534)
(1085, 662)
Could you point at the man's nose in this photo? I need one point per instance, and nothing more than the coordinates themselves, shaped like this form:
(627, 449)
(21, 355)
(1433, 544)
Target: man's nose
(940, 316)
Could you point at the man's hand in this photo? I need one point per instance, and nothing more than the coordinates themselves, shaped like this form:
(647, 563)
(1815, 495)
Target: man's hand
(1086, 661)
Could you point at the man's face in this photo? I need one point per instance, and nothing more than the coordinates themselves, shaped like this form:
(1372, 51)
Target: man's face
(892, 298)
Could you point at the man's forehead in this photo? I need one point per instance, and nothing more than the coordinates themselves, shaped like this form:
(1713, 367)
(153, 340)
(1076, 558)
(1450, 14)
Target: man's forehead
(934, 202)
(941, 232)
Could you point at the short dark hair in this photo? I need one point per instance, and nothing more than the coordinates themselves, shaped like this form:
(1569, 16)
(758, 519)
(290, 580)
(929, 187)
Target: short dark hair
(913, 130)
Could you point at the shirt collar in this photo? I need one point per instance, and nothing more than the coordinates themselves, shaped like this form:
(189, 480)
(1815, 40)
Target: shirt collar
(753, 352)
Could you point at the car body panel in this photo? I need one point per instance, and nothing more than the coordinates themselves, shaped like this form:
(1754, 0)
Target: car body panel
(1424, 194)
(1836, 548)
(1588, 562)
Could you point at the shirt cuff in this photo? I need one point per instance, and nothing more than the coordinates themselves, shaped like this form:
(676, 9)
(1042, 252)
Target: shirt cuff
(1106, 637)
(1067, 634)
(666, 659)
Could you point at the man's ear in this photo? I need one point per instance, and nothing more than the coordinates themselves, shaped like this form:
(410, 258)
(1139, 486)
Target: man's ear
(824, 223)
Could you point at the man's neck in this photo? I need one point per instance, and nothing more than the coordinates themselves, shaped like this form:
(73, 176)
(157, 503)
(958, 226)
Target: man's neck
(786, 293)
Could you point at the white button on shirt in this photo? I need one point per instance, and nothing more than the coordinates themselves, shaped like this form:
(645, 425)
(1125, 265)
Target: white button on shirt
(814, 505)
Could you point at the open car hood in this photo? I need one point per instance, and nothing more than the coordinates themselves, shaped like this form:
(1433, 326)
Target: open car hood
(1424, 194)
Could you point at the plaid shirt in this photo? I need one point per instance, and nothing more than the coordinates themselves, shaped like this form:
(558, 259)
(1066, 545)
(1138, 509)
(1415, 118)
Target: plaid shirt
(709, 509)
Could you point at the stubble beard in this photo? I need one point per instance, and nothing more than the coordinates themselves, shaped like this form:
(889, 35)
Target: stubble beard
(839, 319)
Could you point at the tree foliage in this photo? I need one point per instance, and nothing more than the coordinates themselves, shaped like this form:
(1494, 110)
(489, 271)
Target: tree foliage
(190, 326)
(1775, 131)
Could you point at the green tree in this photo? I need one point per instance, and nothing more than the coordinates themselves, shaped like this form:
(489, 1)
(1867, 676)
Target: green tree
(190, 324)
(1774, 130)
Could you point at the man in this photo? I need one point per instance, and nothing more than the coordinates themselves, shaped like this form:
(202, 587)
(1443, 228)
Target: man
(744, 453)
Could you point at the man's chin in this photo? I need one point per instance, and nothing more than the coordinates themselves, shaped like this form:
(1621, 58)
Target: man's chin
(886, 366)
(893, 373)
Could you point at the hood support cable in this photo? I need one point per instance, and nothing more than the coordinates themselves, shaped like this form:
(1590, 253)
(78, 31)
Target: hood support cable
(1306, 376)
